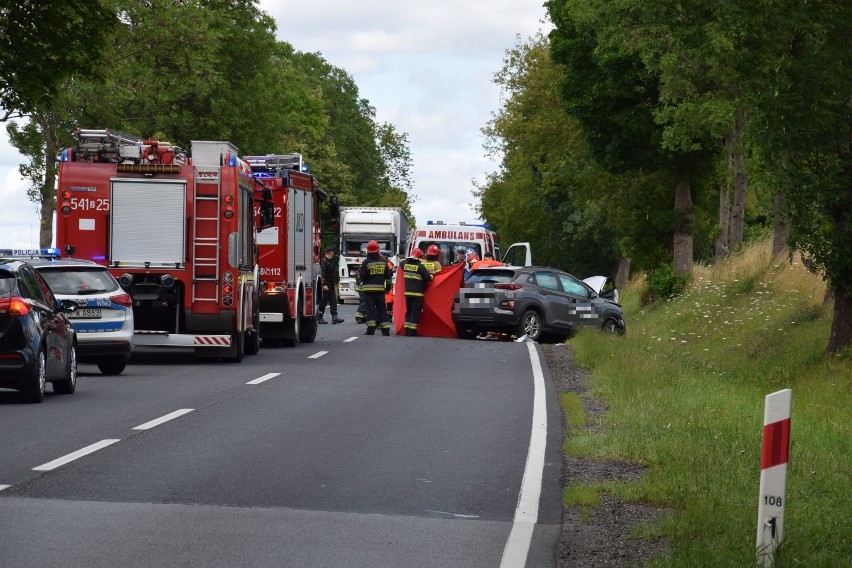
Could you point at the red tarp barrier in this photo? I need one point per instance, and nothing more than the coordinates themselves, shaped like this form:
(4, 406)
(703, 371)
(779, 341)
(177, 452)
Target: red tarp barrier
(436, 319)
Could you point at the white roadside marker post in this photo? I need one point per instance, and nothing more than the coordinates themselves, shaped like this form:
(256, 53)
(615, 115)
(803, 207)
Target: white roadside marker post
(773, 475)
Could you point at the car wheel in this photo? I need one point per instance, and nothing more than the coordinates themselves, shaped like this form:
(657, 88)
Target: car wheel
(35, 392)
(112, 366)
(465, 332)
(69, 384)
(613, 327)
(530, 325)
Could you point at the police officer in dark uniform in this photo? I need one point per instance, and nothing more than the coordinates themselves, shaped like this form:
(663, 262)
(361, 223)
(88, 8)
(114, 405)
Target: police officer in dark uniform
(329, 287)
(417, 276)
(375, 279)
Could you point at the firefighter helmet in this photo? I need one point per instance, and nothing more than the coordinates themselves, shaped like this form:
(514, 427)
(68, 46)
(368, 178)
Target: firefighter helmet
(417, 253)
(433, 250)
(372, 246)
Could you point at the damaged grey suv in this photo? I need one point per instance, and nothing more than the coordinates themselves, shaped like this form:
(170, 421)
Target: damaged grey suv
(538, 302)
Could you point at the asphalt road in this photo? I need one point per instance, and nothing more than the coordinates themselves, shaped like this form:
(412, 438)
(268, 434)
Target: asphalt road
(351, 451)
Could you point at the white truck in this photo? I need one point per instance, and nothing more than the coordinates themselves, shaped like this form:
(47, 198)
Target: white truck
(388, 226)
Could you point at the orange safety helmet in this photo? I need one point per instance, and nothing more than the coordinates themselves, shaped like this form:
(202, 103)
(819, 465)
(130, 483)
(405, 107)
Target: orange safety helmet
(433, 250)
(372, 246)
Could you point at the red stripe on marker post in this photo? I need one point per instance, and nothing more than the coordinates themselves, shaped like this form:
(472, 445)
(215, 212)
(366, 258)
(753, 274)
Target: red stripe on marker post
(776, 444)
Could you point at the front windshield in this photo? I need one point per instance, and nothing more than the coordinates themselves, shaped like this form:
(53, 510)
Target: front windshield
(449, 249)
(358, 247)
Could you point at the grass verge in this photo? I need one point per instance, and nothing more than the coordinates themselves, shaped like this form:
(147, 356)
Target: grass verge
(685, 390)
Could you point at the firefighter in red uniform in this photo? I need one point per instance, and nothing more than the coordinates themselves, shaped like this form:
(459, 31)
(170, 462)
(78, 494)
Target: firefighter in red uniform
(375, 282)
(417, 277)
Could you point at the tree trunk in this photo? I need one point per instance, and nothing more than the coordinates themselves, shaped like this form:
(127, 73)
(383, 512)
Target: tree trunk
(841, 325)
(723, 246)
(781, 232)
(622, 277)
(740, 182)
(47, 205)
(683, 232)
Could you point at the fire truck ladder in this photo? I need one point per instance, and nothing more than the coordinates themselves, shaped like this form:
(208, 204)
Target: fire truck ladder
(92, 140)
(205, 250)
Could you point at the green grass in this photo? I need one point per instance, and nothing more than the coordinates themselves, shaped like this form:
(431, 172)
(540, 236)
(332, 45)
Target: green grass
(685, 389)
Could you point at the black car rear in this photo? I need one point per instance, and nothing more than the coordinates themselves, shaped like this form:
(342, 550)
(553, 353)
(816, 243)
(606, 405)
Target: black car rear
(37, 340)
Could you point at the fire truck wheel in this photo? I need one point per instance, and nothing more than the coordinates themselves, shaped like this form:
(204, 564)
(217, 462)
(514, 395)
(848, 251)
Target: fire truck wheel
(238, 341)
(293, 328)
(252, 342)
(112, 366)
(308, 328)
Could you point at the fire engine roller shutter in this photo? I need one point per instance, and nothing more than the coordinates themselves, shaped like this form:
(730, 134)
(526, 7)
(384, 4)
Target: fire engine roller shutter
(302, 234)
(148, 222)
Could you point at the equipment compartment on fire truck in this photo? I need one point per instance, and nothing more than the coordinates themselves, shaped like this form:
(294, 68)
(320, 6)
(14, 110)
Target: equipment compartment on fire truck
(178, 232)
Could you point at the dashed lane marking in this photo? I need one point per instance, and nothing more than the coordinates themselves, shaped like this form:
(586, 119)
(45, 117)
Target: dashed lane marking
(317, 355)
(350, 340)
(162, 419)
(74, 455)
(2, 487)
(264, 378)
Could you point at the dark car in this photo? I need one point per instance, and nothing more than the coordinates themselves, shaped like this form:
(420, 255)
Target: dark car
(38, 343)
(535, 301)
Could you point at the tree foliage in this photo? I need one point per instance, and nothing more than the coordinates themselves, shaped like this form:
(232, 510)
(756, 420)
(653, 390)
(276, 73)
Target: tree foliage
(213, 70)
(705, 94)
(43, 43)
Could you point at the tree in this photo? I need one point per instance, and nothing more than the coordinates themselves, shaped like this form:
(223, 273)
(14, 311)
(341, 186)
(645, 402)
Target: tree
(396, 164)
(40, 139)
(545, 173)
(43, 43)
(804, 125)
(616, 97)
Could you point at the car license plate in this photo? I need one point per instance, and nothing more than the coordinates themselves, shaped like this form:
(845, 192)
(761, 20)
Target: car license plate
(86, 313)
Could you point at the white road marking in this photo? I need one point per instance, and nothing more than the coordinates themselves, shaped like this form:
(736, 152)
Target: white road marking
(2, 487)
(350, 340)
(456, 515)
(526, 513)
(161, 419)
(318, 355)
(74, 455)
(266, 377)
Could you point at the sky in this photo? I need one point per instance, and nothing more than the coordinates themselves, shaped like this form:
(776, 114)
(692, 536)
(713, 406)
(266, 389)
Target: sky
(426, 67)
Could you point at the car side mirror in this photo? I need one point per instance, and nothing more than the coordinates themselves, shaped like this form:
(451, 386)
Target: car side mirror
(67, 306)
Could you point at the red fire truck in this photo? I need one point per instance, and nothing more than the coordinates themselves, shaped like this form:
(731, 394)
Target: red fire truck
(289, 251)
(177, 232)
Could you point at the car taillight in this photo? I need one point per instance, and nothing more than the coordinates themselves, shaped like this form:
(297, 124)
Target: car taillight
(122, 300)
(508, 286)
(14, 306)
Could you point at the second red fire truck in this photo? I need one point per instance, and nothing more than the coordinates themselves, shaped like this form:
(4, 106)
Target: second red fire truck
(289, 251)
(178, 232)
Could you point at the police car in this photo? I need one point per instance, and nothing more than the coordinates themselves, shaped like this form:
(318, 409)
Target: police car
(104, 315)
